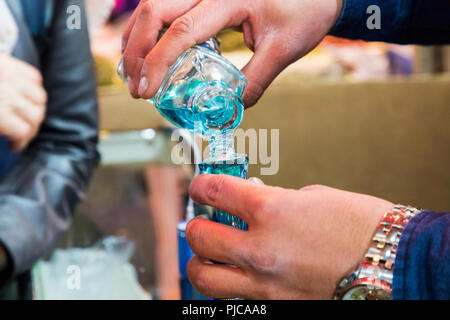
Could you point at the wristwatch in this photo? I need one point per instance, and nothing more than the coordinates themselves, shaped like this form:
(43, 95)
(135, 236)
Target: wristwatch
(372, 279)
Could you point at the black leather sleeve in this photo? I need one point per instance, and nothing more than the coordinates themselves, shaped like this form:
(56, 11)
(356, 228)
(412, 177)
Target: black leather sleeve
(38, 196)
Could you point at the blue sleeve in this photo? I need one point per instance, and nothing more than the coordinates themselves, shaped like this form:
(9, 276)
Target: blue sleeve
(401, 21)
(422, 265)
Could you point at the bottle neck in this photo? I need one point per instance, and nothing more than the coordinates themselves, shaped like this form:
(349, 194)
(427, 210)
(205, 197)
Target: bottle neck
(222, 146)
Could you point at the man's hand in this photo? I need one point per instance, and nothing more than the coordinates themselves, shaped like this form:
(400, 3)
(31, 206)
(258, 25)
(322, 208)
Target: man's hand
(22, 101)
(300, 243)
(279, 33)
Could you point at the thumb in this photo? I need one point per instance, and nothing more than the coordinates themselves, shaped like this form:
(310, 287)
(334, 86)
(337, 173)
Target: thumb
(266, 64)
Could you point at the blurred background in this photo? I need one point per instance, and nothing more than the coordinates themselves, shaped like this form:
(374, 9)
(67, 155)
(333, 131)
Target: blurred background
(367, 117)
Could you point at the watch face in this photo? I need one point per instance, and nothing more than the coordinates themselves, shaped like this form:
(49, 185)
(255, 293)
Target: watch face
(363, 292)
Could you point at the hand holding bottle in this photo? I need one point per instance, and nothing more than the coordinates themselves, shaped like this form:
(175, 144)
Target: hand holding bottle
(299, 243)
(279, 33)
(22, 101)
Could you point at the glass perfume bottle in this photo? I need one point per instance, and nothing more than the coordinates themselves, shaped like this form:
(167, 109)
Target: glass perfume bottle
(202, 91)
(224, 160)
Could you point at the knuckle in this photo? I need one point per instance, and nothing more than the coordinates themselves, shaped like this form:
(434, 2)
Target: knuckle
(183, 25)
(267, 209)
(253, 93)
(41, 96)
(259, 205)
(262, 261)
(264, 206)
(281, 51)
(130, 56)
(34, 74)
(147, 9)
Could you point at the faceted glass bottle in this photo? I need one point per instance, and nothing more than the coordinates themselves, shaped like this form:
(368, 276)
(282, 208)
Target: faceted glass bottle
(202, 91)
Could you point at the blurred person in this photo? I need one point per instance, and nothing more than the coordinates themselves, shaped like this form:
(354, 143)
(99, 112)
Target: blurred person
(300, 243)
(48, 131)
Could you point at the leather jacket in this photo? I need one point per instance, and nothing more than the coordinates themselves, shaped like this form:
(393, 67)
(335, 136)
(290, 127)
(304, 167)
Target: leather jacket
(39, 193)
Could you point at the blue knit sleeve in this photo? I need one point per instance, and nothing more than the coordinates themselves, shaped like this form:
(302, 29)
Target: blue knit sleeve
(395, 21)
(422, 265)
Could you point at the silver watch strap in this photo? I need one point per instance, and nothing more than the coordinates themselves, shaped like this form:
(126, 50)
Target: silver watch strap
(377, 269)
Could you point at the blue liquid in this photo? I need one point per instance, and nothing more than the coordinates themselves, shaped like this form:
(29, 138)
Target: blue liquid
(236, 169)
(206, 119)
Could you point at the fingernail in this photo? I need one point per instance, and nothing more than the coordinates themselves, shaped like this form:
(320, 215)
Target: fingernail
(123, 46)
(130, 84)
(143, 85)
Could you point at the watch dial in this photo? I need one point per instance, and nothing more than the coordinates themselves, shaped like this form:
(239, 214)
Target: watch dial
(365, 293)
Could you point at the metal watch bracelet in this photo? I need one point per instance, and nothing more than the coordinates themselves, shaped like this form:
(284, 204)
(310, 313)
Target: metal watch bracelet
(372, 279)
